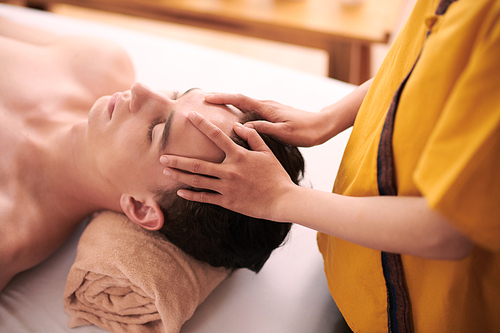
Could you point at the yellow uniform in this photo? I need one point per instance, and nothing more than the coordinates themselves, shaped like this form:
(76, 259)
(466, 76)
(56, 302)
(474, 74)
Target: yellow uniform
(446, 148)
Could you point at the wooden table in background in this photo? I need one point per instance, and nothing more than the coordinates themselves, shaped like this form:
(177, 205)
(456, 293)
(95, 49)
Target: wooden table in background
(344, 32)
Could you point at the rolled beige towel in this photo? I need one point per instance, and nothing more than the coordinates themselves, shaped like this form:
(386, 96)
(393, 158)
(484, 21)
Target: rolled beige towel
(128, 279)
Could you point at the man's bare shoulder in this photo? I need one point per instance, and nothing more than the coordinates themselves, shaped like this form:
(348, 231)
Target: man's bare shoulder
(99, 66)
(97, 63)
(14, 30)
(76, 69)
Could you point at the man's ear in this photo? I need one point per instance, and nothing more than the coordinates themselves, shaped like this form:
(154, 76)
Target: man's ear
(145, 212)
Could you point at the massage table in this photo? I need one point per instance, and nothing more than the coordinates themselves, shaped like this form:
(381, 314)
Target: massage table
(290, 294)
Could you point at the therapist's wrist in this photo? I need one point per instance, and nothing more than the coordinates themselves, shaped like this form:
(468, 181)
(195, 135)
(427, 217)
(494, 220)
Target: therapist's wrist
(330, 122)
(286, 204)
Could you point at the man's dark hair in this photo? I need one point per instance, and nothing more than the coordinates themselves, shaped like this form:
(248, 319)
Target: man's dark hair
(224, 238)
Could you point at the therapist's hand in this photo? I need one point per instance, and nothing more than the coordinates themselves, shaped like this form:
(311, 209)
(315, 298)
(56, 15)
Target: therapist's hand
(296, 127)
(248, 182)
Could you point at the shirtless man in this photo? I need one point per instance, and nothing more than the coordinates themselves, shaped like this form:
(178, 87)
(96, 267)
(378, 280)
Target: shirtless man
(47, 88)
(61, 162)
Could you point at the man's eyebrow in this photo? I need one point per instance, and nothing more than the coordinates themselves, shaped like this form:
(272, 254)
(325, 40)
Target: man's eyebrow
(166, 132)
(168, 124)
(188, 91)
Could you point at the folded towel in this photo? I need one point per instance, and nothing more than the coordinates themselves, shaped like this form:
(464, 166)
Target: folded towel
(128, 279)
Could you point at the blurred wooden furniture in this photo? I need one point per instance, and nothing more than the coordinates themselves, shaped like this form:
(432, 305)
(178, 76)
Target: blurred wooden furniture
(344, 32)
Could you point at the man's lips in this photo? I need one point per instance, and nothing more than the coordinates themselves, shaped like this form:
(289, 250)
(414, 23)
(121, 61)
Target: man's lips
(112, 103)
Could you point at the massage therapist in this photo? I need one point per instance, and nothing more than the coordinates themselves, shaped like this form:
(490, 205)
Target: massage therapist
(411, 233)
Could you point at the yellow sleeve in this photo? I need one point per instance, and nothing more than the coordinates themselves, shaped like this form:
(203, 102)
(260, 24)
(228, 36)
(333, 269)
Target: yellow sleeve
(459, 170)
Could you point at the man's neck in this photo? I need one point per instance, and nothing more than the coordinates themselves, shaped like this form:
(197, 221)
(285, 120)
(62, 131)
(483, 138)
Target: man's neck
(72, 186)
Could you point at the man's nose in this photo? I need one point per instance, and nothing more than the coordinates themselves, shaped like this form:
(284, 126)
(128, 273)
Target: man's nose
(144, 98)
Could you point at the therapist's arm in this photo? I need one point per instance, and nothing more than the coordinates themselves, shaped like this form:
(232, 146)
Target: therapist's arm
(297, 127)
(255, 184)
(403, 225)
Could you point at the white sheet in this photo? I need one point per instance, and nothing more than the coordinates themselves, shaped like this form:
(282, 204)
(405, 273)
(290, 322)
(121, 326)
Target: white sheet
(290, 293)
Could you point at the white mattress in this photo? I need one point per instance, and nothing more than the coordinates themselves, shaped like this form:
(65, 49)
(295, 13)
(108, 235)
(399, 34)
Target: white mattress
(290, 294)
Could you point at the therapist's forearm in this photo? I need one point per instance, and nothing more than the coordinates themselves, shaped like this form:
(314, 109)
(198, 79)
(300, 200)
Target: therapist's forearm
(341, 114)
(403, 225)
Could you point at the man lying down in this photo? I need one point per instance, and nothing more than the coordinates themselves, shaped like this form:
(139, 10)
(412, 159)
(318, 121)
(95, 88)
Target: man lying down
(77, 136)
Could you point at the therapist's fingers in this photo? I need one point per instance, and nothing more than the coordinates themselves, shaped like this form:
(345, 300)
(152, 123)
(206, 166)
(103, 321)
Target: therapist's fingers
(242, 102)
(215, 134)
(195, 180)
(251, 136)
(204, 197)
(269, 128)
(191, 165)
